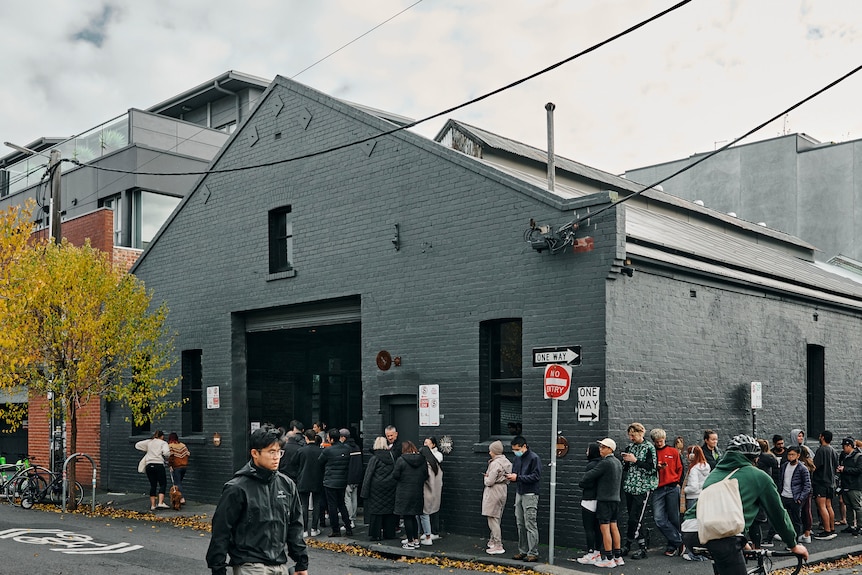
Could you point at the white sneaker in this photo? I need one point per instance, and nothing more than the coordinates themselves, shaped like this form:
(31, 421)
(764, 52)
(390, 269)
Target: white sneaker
(425, 540)
(163, 506)
(405, 541)
(304, 534)
(609, 563)
(495, 550)
(588, 558)
(619, 561)
(315, 532)
(434, 537)
(804, 539)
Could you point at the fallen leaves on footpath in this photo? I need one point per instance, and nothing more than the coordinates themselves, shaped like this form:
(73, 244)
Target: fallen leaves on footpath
(196, 522)
(848, 562)
(202, 523)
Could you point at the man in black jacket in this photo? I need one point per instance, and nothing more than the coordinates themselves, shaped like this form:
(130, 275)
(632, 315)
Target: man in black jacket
(851, 481)
(259, 492)
(335, 461)
(607, 477)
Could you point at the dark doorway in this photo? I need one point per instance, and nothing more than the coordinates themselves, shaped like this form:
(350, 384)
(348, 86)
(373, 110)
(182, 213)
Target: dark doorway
(402, 411)
(309, 373)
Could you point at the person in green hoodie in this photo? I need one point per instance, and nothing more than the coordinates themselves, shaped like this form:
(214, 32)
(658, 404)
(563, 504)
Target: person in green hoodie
(757, 491)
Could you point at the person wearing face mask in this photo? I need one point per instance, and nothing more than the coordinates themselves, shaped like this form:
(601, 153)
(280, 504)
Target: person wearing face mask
(526, 473)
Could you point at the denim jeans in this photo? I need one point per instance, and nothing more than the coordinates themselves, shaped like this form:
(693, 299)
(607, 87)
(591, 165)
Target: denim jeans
(526, 507)
(665, 509)
(424, 524)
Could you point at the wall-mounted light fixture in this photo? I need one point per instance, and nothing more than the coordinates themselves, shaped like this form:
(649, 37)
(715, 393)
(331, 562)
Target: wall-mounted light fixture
(396, 239)
(216, 439)
(815, 316)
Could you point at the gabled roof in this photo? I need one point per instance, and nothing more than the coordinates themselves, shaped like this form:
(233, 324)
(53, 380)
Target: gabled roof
(676, 233)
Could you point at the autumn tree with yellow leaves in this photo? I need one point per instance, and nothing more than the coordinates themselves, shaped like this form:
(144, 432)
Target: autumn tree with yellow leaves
(75, 327)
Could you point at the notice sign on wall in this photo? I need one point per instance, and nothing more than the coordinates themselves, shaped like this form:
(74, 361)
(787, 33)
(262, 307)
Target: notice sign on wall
(212, 397)
(429, 405)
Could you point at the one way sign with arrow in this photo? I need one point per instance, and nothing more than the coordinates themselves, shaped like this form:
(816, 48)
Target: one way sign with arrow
(588, 403)
(567, 354)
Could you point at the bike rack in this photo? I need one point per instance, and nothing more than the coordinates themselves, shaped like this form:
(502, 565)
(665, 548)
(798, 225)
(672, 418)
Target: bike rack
(75, 456)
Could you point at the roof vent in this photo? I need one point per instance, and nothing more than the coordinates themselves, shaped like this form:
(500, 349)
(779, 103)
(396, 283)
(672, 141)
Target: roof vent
(761, 224)
(731, 214)
(659, 187)
(699, 202)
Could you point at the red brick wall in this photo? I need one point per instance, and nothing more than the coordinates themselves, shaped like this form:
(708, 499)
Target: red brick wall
(89, 435)
(126, 257)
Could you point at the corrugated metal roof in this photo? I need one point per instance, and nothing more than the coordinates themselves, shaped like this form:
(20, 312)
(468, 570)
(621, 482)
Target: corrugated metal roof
(697, 247)
(617, 183)
(746, 277)
(692, 245)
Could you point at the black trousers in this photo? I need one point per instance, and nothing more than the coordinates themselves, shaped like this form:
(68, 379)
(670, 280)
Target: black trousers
(727, 556)
(335, 500)
(635, 507)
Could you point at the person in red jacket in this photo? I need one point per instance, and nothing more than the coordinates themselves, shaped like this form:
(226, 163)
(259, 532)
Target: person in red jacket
(665, 498)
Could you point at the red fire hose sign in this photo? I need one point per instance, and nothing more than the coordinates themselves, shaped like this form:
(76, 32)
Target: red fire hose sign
(558, 381)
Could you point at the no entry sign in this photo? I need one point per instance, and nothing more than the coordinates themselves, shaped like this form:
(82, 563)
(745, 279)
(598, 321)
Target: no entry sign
(558, 381)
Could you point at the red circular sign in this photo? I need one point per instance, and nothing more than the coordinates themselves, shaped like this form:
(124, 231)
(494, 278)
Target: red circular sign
(558, 380)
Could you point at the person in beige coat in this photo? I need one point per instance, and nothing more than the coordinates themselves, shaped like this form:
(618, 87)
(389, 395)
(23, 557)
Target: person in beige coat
(495, 494)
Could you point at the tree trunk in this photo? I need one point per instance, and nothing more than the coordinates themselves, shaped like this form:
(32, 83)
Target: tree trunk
(73, 448)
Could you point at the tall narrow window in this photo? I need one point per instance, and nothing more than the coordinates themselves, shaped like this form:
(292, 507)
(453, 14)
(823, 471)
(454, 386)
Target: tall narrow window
(816, 390)
(280, 240)
(115, 204)
(192, 389)
(500, 377)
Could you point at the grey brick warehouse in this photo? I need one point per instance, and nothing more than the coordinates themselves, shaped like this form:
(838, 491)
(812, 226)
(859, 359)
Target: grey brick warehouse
(285, 282)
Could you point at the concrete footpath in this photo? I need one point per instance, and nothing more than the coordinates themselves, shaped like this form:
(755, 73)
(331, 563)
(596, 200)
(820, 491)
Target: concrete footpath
(468, 548)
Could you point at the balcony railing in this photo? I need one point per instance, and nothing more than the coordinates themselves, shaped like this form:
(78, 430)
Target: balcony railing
(134, 127)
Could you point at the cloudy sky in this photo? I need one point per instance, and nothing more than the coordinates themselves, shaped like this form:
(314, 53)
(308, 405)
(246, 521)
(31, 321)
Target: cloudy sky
(689, 82)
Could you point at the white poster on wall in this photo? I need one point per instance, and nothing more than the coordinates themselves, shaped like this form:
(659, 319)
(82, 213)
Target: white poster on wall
(429, 405)
(212, 397)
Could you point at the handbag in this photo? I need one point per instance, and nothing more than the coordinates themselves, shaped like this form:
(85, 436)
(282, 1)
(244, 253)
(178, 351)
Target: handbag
(142, 464)
(719, 510)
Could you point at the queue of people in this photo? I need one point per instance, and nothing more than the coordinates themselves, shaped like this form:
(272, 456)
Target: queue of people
(780, 487)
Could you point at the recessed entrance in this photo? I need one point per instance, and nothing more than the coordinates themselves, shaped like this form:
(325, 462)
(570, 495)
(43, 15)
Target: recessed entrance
(305, 373)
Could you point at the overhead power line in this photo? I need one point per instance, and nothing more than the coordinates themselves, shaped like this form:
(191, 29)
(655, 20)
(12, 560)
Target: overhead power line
(724, 147)
(355, 39)
(485, 96)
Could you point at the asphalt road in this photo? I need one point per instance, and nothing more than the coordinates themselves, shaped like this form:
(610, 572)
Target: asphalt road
(44, 543)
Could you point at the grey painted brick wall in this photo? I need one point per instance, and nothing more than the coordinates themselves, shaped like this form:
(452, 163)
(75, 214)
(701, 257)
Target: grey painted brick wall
(659, 356)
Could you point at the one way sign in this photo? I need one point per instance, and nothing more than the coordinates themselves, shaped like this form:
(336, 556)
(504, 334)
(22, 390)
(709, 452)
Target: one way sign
(568, 354)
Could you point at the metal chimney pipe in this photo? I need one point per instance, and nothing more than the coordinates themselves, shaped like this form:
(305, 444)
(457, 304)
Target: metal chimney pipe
(551, 168)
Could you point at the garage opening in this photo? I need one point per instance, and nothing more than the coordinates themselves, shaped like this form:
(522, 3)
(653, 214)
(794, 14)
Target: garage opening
(304, 364)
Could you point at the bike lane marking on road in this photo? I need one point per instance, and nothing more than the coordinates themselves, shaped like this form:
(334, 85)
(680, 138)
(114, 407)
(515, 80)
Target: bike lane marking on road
(65, 541)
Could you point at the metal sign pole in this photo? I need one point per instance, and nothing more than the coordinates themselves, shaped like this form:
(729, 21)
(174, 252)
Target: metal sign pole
(554, 410)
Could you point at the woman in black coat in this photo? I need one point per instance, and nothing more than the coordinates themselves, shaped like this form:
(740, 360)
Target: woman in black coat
(410, 474)
(378, 492)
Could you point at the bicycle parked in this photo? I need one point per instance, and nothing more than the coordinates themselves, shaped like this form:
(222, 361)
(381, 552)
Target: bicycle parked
(21, 476)
(762, 556)
(35, 493)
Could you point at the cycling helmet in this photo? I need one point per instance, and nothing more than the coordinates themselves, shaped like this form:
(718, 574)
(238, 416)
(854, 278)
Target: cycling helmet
(744, 444)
